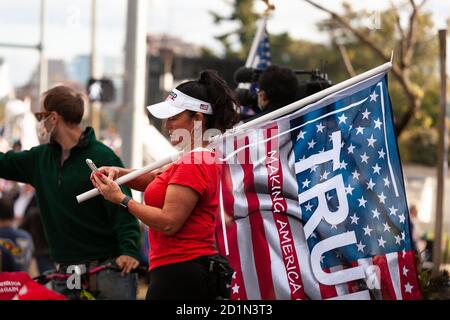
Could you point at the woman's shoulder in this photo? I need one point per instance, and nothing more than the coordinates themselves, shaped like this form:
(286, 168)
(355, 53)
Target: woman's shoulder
(199, 156)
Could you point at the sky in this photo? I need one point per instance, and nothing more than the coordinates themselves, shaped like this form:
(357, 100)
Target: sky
(68, 25)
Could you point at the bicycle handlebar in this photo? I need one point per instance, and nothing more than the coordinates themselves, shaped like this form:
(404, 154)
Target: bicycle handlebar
(55, 274)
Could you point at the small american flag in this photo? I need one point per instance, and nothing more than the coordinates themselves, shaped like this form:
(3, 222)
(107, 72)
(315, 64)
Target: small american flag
(315, 204)
(262, 60)
(263, 56)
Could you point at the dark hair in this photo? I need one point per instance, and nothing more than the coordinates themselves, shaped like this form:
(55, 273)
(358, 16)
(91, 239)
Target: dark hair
(6, 209)
(66, 102)
(280, 85)
(210, 87)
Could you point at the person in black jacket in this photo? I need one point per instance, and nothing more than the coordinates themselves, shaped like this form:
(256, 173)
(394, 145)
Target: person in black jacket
(277, 87)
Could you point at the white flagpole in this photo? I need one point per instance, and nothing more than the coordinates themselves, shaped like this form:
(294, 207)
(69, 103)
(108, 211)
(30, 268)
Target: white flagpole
(253, 49)
(222, 216)
(132, 175)
(256, 40)
(268, 117)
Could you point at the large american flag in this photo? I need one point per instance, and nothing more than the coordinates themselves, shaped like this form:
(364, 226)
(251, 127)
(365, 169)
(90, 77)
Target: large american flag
(314, 203)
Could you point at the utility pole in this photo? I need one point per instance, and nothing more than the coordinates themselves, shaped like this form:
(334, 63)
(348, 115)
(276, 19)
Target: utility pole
(94, 114)
(43, 65)
(43, 68)
(132, 115)
(442, 155)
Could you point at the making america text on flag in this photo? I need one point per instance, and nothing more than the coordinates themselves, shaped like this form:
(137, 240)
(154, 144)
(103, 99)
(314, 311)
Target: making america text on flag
(315, 204)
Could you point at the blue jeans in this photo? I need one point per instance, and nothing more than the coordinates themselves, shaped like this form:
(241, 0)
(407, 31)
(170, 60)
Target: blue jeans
(110, 285)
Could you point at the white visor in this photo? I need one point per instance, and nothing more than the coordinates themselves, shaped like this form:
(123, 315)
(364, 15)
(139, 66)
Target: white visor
(177, 102)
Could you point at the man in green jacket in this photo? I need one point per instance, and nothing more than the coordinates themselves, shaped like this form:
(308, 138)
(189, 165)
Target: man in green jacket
(89, 233)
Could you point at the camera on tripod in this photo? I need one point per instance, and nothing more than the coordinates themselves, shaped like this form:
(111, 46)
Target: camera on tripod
(247, 96)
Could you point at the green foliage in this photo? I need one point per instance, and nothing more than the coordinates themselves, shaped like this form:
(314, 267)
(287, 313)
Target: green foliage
(428, 116)
(207, 52)
(244, 14)
(418, 145)
(437, 288)
(298, 54)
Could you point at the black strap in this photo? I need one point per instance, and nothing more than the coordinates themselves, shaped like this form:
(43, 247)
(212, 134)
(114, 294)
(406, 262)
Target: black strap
(220, 274)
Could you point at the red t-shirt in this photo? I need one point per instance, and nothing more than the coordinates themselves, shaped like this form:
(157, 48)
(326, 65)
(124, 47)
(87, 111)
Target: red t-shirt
(196, 237)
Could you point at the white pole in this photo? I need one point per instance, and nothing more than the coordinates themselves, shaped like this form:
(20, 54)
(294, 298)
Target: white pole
(252, 53)
(270, 116)
(95, 106)
(259, 32)
(43, 68)
(222, 216)
(134, 88)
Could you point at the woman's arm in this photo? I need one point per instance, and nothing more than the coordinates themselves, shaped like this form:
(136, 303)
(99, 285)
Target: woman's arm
(141, 182)
(178, 205)
(138, 183)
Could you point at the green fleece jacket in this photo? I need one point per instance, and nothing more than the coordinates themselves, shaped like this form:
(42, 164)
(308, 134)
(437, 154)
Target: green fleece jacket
(76, 233)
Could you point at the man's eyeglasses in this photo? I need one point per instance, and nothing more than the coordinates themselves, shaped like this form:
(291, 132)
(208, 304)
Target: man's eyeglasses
(41, 115)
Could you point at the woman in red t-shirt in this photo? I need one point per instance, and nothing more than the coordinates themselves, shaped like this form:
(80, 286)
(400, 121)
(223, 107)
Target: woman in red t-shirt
(181, 202)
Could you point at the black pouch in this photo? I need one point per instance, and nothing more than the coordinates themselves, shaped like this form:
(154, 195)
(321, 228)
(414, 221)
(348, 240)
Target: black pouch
(220, 274)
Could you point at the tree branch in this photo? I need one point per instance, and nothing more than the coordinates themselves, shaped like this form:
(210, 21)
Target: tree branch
(397, 20)
(410, 34)
(361, 36)
(402, 34)
(410, 41)
(398, 72)
(422, 4)
(406, 118)
(348, 64)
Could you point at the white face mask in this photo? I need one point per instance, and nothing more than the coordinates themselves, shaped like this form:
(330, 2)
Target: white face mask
(43, 134)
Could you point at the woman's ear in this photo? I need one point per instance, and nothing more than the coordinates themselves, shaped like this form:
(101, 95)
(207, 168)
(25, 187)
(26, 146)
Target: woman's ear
(53, 115)
(198, 116)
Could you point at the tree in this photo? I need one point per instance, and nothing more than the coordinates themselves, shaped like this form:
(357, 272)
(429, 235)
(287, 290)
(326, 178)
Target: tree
(413, 42)
(285, 50)
(246, 18)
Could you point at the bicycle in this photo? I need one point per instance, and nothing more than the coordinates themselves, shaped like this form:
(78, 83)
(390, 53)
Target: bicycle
(85, 292)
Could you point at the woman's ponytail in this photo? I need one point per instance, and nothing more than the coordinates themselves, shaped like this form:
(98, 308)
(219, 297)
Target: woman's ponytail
(222, 99)
(210, 87)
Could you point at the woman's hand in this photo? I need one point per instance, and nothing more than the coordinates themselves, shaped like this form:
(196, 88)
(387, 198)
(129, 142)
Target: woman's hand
(109, 189)
(111, 172)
